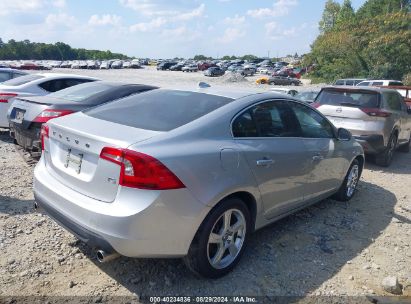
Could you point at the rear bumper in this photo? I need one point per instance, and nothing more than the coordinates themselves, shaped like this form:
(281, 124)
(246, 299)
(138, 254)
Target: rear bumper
(139, 223)
(29, 139)
(372, 144)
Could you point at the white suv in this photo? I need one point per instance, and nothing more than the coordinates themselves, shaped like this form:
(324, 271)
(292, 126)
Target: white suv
(377, 118)
(380, 82)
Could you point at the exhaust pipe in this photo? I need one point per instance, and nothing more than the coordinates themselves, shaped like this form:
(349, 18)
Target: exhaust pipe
(104, 257)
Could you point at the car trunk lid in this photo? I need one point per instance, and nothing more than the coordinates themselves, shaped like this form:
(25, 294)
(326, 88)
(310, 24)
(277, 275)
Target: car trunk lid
(73, 153)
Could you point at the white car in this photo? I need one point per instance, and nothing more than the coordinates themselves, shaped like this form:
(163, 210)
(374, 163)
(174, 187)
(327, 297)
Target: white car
(291, 92)
(380, 82)
(35, 85)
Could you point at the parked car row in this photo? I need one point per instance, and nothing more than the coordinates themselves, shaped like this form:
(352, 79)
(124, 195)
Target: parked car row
(34, 85)
(219, 67)
(76, 64)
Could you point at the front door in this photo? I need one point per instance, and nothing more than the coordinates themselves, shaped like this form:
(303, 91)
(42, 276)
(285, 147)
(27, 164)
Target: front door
(268, 136)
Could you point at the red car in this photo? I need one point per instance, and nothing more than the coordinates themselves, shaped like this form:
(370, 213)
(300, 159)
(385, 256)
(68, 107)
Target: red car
(205, 65)
(32, 66)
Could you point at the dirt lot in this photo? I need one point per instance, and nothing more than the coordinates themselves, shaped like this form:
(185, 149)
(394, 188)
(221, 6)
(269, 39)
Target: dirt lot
(331, 248)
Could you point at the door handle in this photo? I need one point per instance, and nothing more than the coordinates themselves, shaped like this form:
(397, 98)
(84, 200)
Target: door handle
(264, 162)
(318, 157)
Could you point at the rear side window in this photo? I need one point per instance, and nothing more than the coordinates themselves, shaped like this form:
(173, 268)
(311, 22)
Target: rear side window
(349, 82)
(339, 82)
(364, 83)
(395, 83)
(159, 110)
(269, 119)
(22, 80)
(359, 99)
(393, 101)
(377, 83)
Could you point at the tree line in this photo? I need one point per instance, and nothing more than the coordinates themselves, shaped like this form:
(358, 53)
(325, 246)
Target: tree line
(27, 50)
(372, 42)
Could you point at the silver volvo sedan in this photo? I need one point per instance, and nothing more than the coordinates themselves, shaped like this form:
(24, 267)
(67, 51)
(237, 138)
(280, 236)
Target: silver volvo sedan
(190, 173)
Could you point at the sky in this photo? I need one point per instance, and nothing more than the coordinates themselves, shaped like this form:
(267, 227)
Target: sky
(168, 28)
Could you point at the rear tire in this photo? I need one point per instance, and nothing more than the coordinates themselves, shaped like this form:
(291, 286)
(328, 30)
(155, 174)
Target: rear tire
(406, 147)
(220, 241)
(349, 185)
(384, 158)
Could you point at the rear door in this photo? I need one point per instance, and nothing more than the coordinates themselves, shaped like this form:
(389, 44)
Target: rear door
(399, 117)
(269, 137)
(321, 147)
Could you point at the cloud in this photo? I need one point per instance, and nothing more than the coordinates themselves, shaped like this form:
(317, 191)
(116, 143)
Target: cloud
(103, 20)
(231, 34)
(276, 32)
(12, 6)
(197, 12)
(156, 8)
(61, 20)
(148, 26)
(59, 3)
(236, 20)
(279, 8)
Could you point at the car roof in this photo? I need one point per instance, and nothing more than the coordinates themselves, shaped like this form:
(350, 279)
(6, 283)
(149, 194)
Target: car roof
(359, 88)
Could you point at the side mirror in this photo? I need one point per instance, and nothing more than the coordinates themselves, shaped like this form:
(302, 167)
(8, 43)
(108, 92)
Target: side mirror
(343, 134)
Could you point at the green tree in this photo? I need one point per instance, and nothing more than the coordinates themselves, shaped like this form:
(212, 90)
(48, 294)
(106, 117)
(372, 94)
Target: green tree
(329, 17)
(346, 15)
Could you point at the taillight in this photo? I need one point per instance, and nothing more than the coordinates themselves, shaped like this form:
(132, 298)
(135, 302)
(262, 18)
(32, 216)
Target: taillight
(48, 114)
(141, 171)
(375, 112)
(5, 97)
(315, 104)
(44, 133)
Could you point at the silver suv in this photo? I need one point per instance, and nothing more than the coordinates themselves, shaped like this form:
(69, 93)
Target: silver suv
(377, 118)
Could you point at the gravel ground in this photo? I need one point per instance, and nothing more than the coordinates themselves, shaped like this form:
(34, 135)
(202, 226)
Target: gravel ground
(329, 249)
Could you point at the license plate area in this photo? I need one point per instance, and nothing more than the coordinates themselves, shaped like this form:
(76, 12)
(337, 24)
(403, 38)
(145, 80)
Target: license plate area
(74, 161)
(19, 116)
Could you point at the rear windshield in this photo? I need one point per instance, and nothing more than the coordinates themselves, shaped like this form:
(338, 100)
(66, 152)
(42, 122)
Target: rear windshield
(22, 80)
(81, 92)
(159, 110)
(359, 99)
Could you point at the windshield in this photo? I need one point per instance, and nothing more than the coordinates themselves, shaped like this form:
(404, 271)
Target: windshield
(359, 99)
(81, 92)
(22, 80)
(159, 110)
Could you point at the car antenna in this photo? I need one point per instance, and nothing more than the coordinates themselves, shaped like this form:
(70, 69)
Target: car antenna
(203, 85)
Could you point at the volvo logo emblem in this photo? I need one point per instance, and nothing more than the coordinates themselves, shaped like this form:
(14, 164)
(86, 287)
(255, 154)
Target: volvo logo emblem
(338, 110)
(76, 141)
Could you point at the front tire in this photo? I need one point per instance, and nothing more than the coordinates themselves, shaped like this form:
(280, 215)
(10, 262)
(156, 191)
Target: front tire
(349, 185)
(406, 147)
(221, 239)
(384, 158)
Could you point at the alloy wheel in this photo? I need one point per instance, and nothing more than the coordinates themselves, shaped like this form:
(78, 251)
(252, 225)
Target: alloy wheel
(352, 180)
(226, 238)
